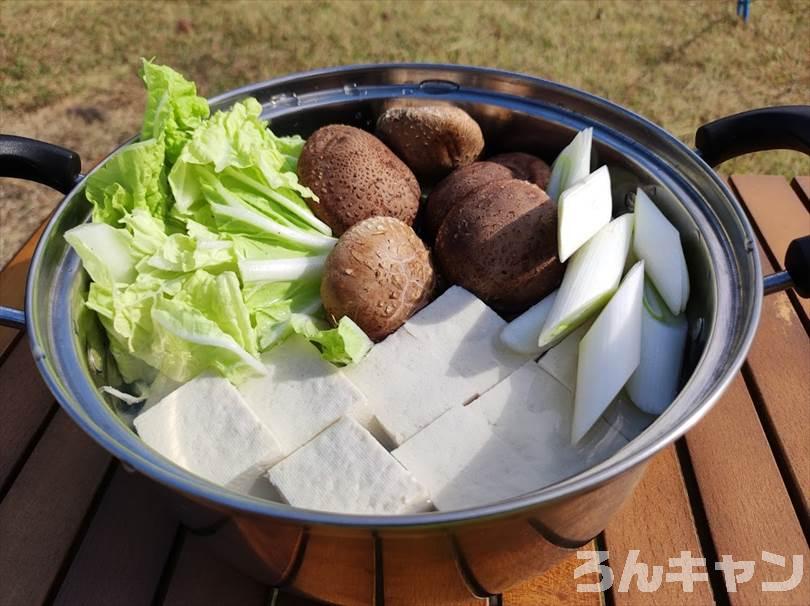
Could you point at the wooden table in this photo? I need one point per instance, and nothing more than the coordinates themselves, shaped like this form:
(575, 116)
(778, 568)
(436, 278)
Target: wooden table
(77, 528)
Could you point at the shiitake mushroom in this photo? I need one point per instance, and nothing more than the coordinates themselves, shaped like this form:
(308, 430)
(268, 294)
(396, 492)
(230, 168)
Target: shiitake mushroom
(463, 181)
(378, 274)
(355, 177)
(500, 242)
(457, 186)
(431, 139)
(526, 167)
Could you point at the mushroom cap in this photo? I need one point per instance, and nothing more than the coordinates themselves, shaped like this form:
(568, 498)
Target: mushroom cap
(458, 185)
(525, 167)
(355, 177)
(501, 244)
(379, 274)
(431, 139)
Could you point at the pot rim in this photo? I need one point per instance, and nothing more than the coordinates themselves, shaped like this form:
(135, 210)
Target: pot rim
(185, 482)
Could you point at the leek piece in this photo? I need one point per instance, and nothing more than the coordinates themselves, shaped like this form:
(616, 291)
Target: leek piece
(573, 164)
(592, 276)
(608, 353)
(658, 243)
(654, 384)
(521, 334)
(561, 360)
(583, 209)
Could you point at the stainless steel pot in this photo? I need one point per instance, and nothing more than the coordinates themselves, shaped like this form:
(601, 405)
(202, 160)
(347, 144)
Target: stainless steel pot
(445, 556)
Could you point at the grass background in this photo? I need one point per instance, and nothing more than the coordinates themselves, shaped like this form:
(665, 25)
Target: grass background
(68, 69)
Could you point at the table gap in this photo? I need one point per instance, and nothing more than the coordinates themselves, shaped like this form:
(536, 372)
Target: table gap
(165, 579)
(29, 448)
(12, 345)
(608, 599)
(709, 549)
(87, 520)
(802, 193)
(779, 455)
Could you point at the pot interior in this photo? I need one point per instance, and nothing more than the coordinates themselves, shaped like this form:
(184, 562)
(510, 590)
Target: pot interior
(515, 114)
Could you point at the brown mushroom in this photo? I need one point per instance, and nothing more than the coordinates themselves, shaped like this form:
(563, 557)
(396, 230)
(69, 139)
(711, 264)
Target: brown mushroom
(525, 167)
(379, 274)
(355, 176)
(501, 244)
(431, 139)
(457, 186)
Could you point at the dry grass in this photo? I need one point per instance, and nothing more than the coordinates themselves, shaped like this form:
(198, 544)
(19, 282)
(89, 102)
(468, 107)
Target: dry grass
(67, 69)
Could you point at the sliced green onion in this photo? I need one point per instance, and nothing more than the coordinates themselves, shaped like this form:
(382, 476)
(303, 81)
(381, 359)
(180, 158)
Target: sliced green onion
(609, 353)
(592, 275)
(658, 243)
(561, 360)
(583, 209)
(654, 384)
(573, 164)
(522, 333)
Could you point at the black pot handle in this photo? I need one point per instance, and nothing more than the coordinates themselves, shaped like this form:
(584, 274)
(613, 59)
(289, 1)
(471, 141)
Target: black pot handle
(781, 127)
(34, 160)
(45, 163)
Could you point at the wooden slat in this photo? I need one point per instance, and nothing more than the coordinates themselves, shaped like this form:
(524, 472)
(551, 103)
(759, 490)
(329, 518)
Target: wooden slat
(44, 510)
(26, 403)
(778, 213)
(746, 503)
(12, 285)
(658, 522)
(779, 363)
(801, 185)
(201, 579)
(123, 553)
(344, 565)
(556, 586)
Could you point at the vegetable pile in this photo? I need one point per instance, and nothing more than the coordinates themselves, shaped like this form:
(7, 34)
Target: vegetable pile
(202, 250)
(615, 272)
(211, 252)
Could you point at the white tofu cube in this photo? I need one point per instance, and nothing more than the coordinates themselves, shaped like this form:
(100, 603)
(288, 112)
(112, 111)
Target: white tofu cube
(532, 411)
(561, 360)
(463, 463)
(344, 469)
(207, 428)
(302, 394)
(465, 334)
(406, 386)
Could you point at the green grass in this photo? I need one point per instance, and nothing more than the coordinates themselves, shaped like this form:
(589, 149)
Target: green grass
(678, 63)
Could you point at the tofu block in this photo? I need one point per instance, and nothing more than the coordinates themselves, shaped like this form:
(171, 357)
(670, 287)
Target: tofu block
(207, 428)
(463, 463)
(561, 360)
(465, 334)
(344, 469)
(302, 394)
(532, 411)
(407, 387)
(444, 356)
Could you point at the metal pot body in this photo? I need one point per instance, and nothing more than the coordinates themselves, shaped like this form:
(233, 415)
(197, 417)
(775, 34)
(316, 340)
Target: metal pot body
(443, 556)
